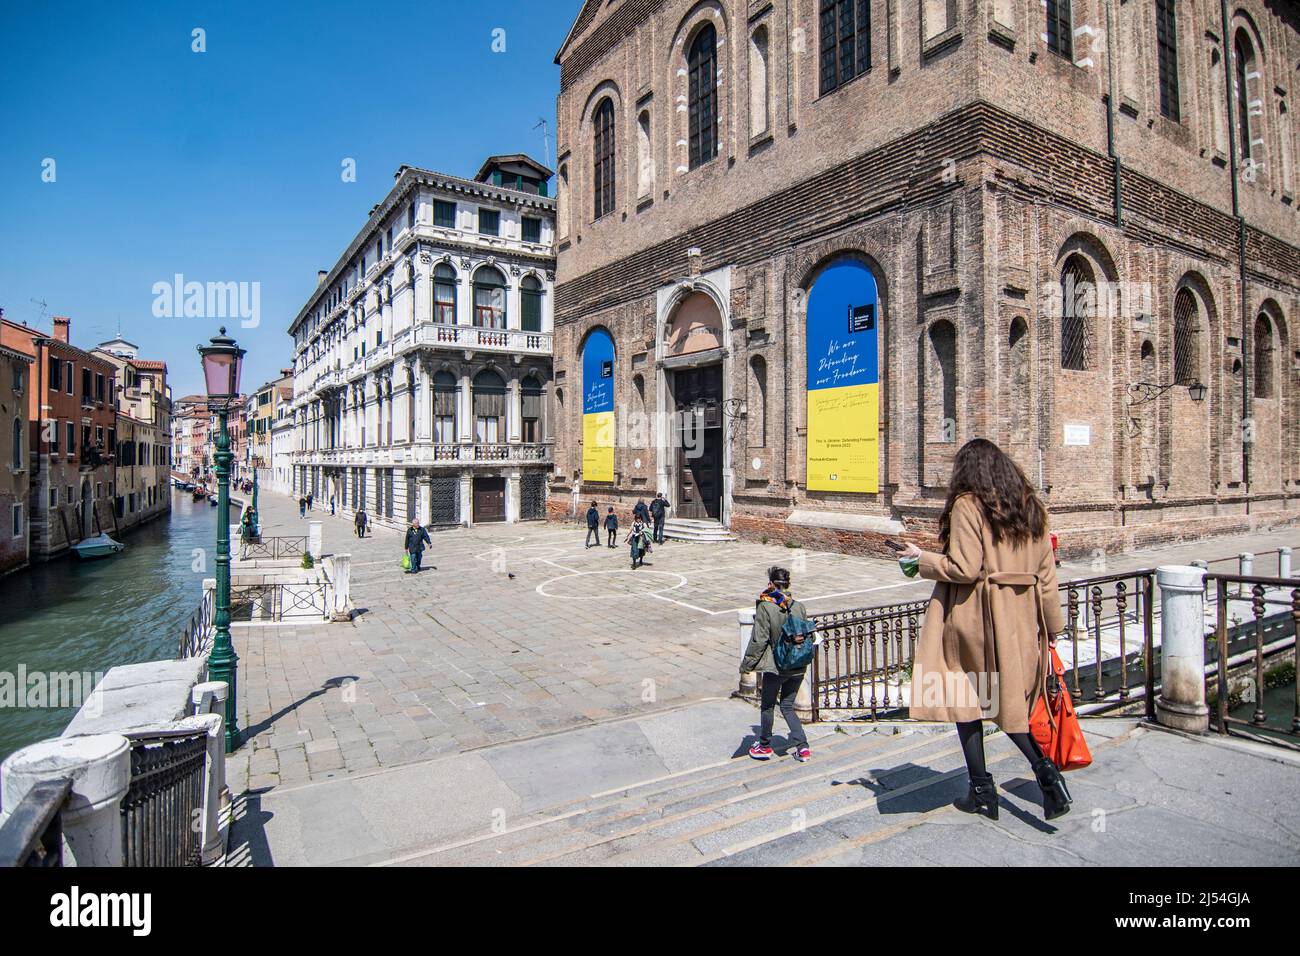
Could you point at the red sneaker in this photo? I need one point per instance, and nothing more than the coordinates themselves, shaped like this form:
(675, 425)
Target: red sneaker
(759, 752)
(803, 755)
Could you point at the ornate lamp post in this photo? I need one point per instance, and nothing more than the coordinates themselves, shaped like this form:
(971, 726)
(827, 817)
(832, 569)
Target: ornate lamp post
(221, 364)
(1144, 392)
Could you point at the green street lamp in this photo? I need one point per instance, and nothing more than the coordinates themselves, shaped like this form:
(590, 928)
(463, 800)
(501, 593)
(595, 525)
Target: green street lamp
(221, 364)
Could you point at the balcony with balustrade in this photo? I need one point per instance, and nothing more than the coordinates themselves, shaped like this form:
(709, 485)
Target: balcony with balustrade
(452, 455)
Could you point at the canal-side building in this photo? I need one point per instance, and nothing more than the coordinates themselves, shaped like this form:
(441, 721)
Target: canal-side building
(263, 410)
(15, 436)
(142, 485)
(813, 248)
(282, 449)
(422, 360)
(189, 436)
(71, 436)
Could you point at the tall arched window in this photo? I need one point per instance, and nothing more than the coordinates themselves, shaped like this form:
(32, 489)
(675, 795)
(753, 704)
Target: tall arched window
(532, 428)
(530, 304)
(1078, 302)
(444, 294)
(603, 158)
(943, 345)
(702, 103)
(18, 445)
(1060, 28)
(758, 82)
(845, 48)
(445, 392)
(645, 161)
(489, 299)
(1243, 59)
(1187, 345)
(758, 401)
(1263, 357)
(1167, 55)
(489, 394)
(1018, 380)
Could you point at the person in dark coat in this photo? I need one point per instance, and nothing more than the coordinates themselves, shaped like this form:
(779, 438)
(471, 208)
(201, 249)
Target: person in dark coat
(642, 511)
(611, 526)
(310, 498)
(416, 539)
(302, 506)
(658, 511)
(361, 521)
(593, 525)
(775, 605)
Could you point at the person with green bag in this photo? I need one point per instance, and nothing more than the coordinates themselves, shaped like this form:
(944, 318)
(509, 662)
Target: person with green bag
(416, 539)
(780, 649)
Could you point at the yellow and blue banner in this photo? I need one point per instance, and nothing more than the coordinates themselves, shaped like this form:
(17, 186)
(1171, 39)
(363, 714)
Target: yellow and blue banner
(843, 380)
(598, 407)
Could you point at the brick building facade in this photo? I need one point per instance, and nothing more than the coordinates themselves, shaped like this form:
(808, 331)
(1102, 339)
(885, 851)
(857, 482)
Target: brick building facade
(15, 465)
(1040, 213)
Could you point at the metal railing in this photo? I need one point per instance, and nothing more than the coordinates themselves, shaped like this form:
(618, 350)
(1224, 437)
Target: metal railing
(32, 836)
(272, 548)
(1263, 628)
(1111, 606)
(861, 653)
(197, 633)
(276, 602)
(164, 798)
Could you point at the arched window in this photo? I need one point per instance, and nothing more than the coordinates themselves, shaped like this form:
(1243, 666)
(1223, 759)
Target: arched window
(1167, 55)
(1018, 380)
(18, 445)
(845, 48)
(489, 299)
(532, 428)
(603, 155)
(1263, 357)
(1060, 28)
(445, 392)
(943, 346)
(444, 294)
(1187, 344)
(1243, 59)
(758, 82)
(489, 394)
(1078, 303)
(758, 401)
(530, 304)
(702, 102)
(645, 161)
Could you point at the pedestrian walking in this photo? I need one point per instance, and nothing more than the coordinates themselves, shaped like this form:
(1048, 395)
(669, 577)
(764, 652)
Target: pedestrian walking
(310, 496)
(639, 540)
(777, 613)
(642, 511)
(658, 511)
(593, 525)
(416, 539)
(984, 647)
(360, 521)
(611, 526)
(331, 506)
(302, 506)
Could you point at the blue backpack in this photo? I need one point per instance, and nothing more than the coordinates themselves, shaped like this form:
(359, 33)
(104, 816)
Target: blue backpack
(794, 647)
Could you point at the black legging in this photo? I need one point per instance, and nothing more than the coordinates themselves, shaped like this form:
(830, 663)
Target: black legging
(971, 733)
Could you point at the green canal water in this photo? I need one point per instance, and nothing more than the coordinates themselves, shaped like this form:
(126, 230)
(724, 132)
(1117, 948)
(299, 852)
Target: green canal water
(68, 615)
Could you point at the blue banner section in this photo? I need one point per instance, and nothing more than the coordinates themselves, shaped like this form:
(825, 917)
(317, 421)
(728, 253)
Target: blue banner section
(598, 373)
(843, 327)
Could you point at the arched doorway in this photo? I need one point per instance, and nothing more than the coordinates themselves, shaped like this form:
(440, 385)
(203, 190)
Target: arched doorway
(693, 343)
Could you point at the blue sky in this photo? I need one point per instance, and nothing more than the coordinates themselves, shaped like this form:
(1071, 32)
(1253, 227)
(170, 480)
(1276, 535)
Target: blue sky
(225, 165)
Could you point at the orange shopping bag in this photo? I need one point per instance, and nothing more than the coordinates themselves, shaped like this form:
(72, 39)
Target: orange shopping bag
(1054, 723)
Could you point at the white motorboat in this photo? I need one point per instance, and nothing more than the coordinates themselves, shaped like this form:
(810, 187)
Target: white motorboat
(100, 546)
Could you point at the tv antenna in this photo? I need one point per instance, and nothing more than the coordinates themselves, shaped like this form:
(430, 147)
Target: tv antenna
(546, 139)
(45, 307)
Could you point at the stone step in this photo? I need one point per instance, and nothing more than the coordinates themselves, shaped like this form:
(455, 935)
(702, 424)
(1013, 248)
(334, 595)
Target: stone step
(691, 529)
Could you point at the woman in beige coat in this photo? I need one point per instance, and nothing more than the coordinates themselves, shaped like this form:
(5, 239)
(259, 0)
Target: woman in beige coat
(983, 651)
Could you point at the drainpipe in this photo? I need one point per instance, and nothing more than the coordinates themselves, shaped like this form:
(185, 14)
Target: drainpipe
(1118, 166)
(1241, 244)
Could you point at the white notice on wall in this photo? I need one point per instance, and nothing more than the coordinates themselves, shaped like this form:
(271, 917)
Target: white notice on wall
(1078, 434)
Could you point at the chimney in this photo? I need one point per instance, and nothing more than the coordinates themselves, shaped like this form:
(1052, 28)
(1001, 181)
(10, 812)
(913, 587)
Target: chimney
(321, 276)
(61, 324)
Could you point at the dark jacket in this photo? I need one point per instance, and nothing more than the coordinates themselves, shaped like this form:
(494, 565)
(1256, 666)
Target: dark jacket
(611, 522)
(593, 518)
(641, 511)
(768, 619)
(360, 520)
(657, 508)
(416, 539)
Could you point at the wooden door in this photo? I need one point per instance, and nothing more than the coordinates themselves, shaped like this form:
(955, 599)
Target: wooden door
(489, 499)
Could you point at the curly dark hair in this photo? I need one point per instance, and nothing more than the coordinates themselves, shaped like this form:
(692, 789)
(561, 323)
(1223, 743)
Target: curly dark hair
(1012, 508)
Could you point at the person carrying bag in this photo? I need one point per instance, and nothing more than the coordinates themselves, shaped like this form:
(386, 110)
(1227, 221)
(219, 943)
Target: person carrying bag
(780, 648)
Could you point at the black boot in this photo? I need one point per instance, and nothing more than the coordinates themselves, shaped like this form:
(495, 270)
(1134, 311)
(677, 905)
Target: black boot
(982, 799)
(1056, 797)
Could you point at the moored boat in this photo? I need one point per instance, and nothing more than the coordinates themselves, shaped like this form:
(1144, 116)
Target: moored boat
(100, 546)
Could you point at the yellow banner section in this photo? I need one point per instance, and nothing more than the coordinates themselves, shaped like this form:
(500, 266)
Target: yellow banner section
(844, 438)
(598, 446)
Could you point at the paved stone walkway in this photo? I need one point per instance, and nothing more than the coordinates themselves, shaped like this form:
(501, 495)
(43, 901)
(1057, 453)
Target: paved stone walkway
(516, 631)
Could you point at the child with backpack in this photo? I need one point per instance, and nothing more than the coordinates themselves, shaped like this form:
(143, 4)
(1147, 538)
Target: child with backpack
(639, 539)
(780, 649)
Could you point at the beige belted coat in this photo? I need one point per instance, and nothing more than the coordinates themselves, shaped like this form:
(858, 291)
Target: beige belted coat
(983, 646)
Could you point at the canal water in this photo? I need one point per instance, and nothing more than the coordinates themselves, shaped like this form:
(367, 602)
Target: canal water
(69, 615)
